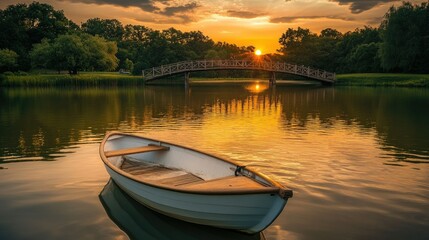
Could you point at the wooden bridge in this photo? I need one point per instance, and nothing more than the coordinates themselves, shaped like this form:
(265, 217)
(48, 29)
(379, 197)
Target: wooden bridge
(207, 65)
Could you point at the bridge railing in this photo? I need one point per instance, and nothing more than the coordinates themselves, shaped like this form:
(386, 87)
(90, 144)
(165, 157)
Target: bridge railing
(201, 65)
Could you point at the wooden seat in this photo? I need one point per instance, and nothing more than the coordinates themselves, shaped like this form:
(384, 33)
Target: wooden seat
(135, 150)
(181, 180)
(159, 174)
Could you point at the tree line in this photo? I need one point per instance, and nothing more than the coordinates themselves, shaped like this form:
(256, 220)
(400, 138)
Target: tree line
(399, 44)
(38, 36)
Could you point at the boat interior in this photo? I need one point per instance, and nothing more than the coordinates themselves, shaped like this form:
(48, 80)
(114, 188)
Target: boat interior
(174, 177)
(158, 174)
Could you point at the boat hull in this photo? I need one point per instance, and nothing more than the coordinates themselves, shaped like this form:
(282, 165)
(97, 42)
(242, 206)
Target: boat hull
(140, 222)
(250, 213)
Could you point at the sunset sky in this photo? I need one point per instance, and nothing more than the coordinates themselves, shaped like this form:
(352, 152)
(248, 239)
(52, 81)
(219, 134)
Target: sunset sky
(244, 22)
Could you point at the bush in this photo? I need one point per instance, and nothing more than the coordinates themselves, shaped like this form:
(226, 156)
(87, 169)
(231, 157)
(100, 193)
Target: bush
(21, 73)
(137, 69)
(8, 73)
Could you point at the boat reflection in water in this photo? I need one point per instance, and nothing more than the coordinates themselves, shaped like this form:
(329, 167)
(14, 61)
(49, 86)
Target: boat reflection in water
(140, 222)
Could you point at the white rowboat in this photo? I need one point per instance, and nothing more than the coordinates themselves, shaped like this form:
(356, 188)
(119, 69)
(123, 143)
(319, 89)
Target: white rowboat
(191, 185)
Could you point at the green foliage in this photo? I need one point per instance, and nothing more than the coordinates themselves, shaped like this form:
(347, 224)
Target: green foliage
(303, 47)
(405, 35)
(129, 65)
(212, 54)
(355, 51)
(401, 44)
(330, 33)
(350, 52)
(8, 59)
(138, 68)
(23, 25)
(383, 79)
(110, 29)
(21, 73)
(365, 58)
(295, 38)
(8, 73)
(94, 79)
(102, 53)
(136, 33)
(75, 52)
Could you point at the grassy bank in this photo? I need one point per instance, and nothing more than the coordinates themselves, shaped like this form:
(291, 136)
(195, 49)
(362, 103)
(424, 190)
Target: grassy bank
(92, 79)
(383, 79)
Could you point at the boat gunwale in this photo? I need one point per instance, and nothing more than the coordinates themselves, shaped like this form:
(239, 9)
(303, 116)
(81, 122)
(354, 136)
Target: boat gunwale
(276, 188)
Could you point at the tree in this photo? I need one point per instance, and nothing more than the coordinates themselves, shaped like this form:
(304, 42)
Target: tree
(294, 38)
(331, 50)
(101, 53)
(110, 29)
(330, 33)
(23, 25)
(136, 33)
(129, 65)
(365, 58)
(198, 43)
(303, 47)
(405, 35)
(356, 44)
(328, 42)
(8, 59)
(211, 54)
(75, 52)
(42, 55)
(65, 52)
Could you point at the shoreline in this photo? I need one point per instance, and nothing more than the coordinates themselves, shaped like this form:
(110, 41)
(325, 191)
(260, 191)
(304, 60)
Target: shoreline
(114, 79)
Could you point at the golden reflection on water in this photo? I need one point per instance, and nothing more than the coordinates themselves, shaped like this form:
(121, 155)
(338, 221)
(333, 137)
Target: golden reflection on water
(257, 87)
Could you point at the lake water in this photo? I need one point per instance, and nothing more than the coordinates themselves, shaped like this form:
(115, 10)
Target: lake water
(356, 158)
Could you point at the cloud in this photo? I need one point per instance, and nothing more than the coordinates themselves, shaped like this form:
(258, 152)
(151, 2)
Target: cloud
(176, 13)
(358, 6)
(375, 21)
(179, 13)
(163, 20)
(294, 18)
(145, 5)
(244, 14)
(171, 11)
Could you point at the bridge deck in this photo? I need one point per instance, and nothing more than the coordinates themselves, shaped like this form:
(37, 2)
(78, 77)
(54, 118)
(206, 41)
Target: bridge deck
(206, 65)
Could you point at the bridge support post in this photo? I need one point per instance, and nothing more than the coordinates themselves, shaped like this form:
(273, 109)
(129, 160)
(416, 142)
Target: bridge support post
(144, 79)
(187, 79)
(272, 78)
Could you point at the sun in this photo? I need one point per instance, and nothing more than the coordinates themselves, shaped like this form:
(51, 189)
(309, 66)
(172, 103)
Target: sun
(258, 52)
